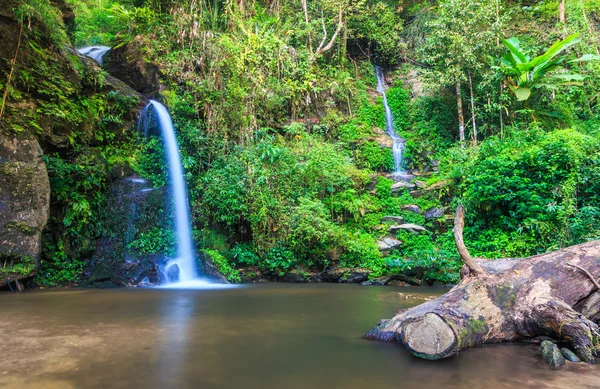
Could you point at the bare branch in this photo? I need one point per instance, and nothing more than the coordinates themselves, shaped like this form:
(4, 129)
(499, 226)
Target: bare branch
(587, 273)
(459, 224)
(324, 33)
(340, 25)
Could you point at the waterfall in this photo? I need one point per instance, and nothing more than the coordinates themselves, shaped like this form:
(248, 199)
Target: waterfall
(186, 260)
(94, 52)
(398, 143)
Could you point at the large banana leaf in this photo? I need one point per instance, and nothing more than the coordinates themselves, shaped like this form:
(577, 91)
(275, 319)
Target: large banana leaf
(524, 74)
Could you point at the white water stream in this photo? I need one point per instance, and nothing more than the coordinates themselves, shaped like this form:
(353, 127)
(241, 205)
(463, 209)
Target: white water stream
(398, 143)
(94, 52)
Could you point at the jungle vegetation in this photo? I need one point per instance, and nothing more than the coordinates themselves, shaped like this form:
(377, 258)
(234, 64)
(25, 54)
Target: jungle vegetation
(275, 106)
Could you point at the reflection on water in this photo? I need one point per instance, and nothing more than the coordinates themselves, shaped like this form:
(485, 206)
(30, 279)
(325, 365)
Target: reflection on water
(256, 337)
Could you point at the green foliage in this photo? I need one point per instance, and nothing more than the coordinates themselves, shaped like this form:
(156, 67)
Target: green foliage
(530, 192)
(24, 267)
(525, 73)
(223, 266)
(277, 138)
(156, 240)
(57, 267)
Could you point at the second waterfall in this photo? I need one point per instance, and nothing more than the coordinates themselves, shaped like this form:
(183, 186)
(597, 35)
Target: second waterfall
(398, 143)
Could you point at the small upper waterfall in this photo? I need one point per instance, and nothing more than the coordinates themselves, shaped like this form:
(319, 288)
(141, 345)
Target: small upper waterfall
(186, 260)
(399, 143)
(94, 52)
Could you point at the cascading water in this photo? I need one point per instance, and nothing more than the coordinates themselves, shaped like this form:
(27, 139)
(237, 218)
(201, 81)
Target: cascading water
(94, 52)
(186, 260)
(398, 143)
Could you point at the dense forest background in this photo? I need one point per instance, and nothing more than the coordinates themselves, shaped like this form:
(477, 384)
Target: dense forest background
(279, 126)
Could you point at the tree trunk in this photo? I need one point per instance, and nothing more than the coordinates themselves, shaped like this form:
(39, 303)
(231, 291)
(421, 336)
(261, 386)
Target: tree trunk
(461, 116)
(508, 300)
(561, 11)
(474, 135)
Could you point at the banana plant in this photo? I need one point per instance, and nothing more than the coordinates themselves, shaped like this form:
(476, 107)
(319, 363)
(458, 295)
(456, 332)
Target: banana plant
(523, 73)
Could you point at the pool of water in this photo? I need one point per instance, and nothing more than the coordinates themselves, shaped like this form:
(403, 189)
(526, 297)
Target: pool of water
(275, 336)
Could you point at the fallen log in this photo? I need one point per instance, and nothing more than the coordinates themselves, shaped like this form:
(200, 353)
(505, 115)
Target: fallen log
(553, 294)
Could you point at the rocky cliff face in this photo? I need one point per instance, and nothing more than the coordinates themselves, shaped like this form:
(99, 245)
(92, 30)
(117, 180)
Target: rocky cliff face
(53, 107)
(24, 206)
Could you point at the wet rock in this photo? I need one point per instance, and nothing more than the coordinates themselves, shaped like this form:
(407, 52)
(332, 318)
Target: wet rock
(367, 283)
(24, 205)
(389, 243)
(173, 273)
(208, 268)
(569, 355)
(552, 355)
(133, 209)
(381, 280)
(401, 185)
(127, 63)
(357, 276)
(433, 213)
(398, 283)
(411, 208)
(410, 280)
(420, 184)
(295, 276)
(382, 138)
(392, 219)
(439, 185)
(334, 275)
(414, 228)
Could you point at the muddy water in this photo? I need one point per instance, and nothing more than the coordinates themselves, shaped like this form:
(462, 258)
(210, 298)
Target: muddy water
(256, 337)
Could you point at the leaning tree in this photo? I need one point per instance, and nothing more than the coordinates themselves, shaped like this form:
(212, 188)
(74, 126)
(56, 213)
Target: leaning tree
(554, 294)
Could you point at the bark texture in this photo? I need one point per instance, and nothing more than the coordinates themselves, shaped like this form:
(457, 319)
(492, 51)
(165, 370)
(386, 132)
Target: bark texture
(507, 300)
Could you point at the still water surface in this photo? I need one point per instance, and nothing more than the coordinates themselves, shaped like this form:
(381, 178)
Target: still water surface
(256, 337)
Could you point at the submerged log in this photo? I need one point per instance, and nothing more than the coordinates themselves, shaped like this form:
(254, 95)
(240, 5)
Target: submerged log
(553, 294)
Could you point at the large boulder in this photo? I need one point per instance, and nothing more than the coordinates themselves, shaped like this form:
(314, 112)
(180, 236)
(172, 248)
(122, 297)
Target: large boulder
(24, 206)
(129, 64)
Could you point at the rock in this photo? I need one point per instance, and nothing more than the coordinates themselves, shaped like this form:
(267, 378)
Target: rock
(293, 276)
(439, 185)
(569, 355)
(433, 213)
(416, 194)
(209, 270)
(345, 274)
(408, 279)
(411, 208)
(420, 184)
(552, 355)
(127, 63)
(400, 185)
(173, 273)
(382, 138)
(334, 275)
(392, 219)
(133, 208)
(398, 283)
(381, 280)
(367, 283)
(68, 15)
(357, 276)
(24, 205)
(389, 243)
(414, 228)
